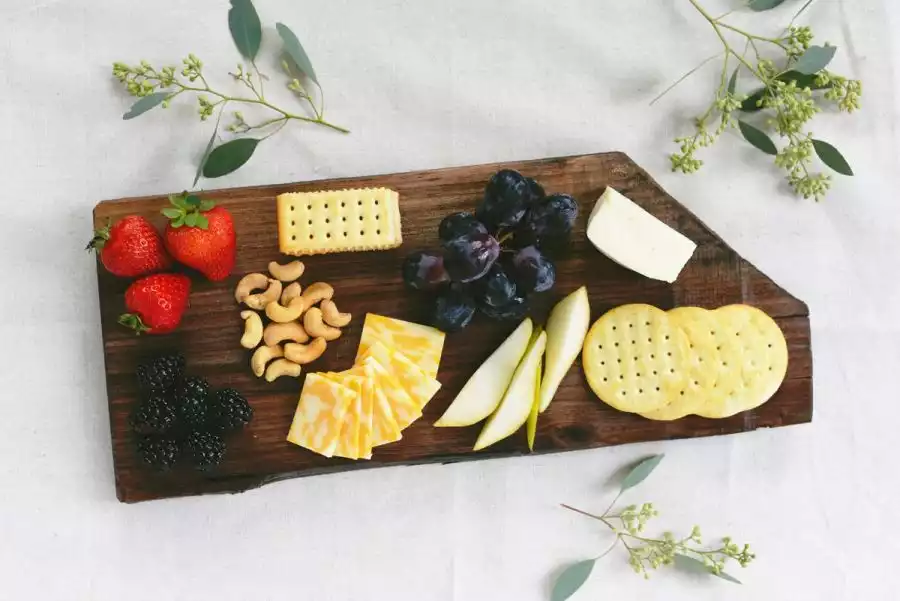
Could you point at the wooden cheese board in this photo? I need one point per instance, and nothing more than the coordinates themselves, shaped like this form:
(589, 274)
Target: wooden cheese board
(371, 282)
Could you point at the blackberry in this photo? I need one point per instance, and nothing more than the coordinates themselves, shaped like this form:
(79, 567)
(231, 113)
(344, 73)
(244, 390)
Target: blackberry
(155, 415)
(229, 410)
(205, 449)
(160, 452)
(160, 374)
(191, 396)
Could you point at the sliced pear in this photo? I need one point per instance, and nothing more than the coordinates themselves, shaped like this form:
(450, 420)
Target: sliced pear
(518, 398)
(566, 328)
(483, 392)
(531, 426)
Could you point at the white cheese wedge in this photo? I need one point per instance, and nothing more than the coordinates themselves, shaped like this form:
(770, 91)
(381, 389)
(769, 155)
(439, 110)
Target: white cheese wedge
(635, 239)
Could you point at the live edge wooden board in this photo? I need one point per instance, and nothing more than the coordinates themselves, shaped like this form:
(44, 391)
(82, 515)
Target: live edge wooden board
(371, 282)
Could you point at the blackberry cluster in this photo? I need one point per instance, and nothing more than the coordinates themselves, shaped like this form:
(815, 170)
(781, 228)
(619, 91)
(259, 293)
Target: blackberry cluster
(162, 452)
(160, 374)
(192, 395)
(230, 410)
(180, 417)
(155, 415)
(205, 448)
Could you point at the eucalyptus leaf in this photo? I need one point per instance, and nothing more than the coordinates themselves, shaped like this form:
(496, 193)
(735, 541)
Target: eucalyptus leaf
(640, 472)
(572, 579)
(751, 102)
(229, 157)
(814, 59)
(246, 30)
(689, 564)
(732, 83)
(728, 577)
(145, 104)
(758, 138)
(203, 159)
(761, 5)
(295, 51)
(171, 212)
(832, 157)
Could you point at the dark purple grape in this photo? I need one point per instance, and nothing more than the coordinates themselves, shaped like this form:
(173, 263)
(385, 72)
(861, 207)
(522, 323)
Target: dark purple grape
(533, 271)
(507, 196)
(551, 218)
(537, 190)
(453, 310)
(459, 224)
(496, 288)
(424, 271)
(515, 309)
(469, 257)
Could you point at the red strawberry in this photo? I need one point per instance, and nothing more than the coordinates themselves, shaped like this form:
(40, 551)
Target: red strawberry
(130, 248)
(201, 235)
(156, 303)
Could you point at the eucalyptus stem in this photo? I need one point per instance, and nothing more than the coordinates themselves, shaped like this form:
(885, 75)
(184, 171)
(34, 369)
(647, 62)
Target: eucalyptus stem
(287, 115)
(143, 79)
(786, 90)
(646, 553)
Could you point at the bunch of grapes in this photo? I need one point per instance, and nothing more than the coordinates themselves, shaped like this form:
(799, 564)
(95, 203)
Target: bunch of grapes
(493, 260)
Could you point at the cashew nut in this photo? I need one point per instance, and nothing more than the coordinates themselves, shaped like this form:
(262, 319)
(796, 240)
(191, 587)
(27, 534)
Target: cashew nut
(317, 292)
(263, 355)
(260, 300)
(249, 283)
(287, 273)
(302, 354)
(276, 333)
(291, 291)
(281, 314)
(253, 329)
(282, 367)
(332, 316)
(312, 323)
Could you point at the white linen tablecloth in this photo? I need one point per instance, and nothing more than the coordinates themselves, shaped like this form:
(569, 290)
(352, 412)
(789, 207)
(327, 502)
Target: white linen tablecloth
(425, 84)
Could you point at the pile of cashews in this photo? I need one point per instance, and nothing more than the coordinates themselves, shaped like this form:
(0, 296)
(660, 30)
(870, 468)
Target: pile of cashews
(301, 321)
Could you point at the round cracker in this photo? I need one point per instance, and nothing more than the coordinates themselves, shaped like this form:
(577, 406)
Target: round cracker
(633, 358)
(700, 363)
(752, 360)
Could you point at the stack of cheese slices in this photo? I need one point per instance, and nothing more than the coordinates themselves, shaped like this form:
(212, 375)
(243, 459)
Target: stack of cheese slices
(346, 414)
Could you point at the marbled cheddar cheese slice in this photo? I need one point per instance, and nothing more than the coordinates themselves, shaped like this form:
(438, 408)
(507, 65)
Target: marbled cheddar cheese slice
(320, 414)
(367, 401)
(418, 385)
(384, 426)
(422, 345)
(403, 407)
(348, 441)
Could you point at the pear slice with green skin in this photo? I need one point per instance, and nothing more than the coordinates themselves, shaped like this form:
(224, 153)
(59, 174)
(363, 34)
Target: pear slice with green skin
(566, 328)
(531, 426)
(483, 392)
(517, 400)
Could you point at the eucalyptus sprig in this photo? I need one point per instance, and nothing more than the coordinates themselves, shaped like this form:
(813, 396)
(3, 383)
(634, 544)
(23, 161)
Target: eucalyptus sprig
(791, 83)
(646, 553)
(160, 86)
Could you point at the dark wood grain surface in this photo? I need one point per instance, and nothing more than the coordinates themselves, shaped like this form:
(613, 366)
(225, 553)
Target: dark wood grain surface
(370, 282)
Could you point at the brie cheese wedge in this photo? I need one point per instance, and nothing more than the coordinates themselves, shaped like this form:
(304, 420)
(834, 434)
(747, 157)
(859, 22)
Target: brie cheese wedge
(635, 239)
